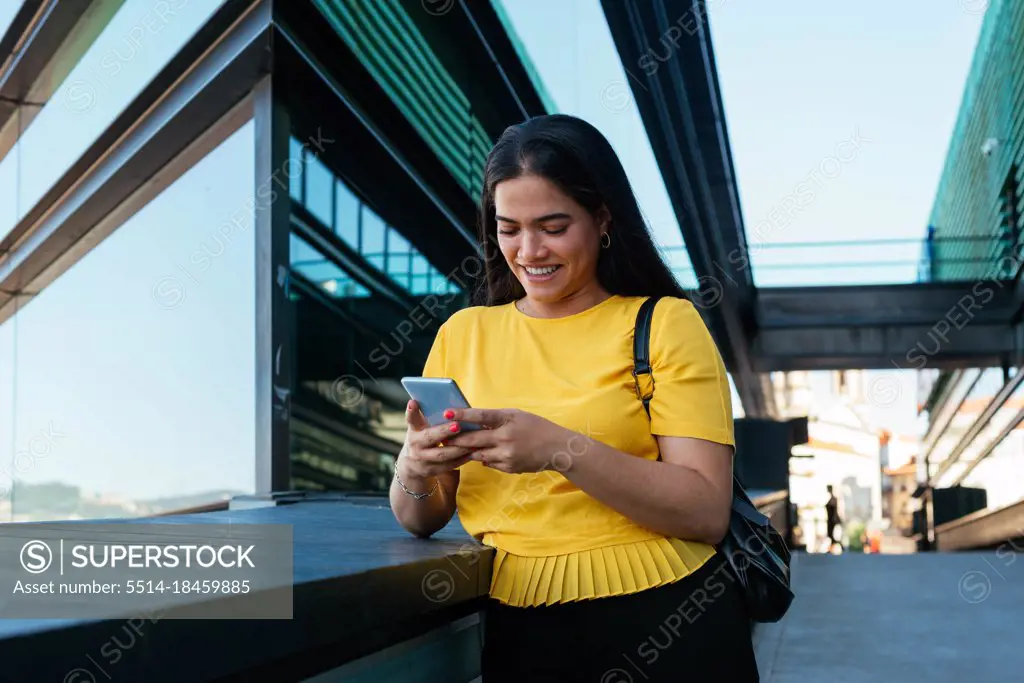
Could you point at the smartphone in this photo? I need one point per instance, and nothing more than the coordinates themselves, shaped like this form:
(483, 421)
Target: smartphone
(436, 395)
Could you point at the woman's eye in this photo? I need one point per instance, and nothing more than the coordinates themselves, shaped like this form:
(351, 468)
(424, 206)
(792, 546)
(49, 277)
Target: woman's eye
(556, 231)
(507, 231)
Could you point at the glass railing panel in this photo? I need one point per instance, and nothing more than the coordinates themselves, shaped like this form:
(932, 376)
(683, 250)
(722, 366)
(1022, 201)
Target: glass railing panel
(950, 406)
(111, 73)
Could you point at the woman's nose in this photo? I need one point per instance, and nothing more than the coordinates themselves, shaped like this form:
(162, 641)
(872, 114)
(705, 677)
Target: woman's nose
(532, 246)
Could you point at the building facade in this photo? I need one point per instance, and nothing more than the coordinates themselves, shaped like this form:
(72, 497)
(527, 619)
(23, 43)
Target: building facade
(843, 451)
(227, 229)
(974, 434)
(978, 216)
(899, 480)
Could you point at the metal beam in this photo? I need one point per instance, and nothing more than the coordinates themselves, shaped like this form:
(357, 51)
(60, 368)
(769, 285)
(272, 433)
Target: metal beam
(956, 303)
(996, 441)
(679, 101)
(490, 63)
(274, 326)
(172, 119)
(945, 408)
(982, 421)
(29, 44)
(910, 347)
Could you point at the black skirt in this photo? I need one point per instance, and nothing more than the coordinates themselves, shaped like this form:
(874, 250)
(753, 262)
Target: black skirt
(692, 630)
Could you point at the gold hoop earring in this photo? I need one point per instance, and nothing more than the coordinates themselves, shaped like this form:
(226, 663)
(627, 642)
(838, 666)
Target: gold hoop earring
(605, 244)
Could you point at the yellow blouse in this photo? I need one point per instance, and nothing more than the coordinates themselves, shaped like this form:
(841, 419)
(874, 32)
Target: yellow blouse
(555, 543)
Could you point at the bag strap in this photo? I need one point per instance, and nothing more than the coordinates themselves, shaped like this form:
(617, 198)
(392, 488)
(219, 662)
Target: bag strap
(741, 502)
(642, 352)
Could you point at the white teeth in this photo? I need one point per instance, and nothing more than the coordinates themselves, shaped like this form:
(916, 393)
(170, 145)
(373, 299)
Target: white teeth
(541, 271)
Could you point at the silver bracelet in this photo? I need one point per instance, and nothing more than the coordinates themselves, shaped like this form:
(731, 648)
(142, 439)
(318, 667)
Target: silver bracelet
(417, 496)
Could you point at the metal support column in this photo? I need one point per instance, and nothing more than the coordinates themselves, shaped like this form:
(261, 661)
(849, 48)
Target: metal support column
(273, 324)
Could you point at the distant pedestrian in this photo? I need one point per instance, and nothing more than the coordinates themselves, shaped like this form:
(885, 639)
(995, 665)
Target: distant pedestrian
(832, 520)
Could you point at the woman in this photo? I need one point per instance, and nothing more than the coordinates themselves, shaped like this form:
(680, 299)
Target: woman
(603, 520)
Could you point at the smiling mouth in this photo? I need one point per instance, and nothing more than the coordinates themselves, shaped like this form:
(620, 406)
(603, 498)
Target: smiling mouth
(544, 270)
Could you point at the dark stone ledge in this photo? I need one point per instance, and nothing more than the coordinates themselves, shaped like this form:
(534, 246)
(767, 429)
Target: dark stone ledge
(361, 584)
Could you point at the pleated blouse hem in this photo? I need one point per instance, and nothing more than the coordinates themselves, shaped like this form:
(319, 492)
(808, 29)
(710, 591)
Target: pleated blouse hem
(603, 572)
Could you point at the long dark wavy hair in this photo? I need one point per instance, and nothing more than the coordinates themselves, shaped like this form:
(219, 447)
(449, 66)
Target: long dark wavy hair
(577, 158)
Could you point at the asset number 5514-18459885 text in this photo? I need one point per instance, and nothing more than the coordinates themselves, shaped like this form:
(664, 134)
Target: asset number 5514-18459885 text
(232, 586)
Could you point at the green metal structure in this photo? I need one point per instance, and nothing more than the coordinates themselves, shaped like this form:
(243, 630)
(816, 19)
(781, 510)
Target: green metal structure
(981, 192)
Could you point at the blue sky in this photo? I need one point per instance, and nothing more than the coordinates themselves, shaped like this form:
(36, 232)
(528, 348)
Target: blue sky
(140, 357)
(798, 80)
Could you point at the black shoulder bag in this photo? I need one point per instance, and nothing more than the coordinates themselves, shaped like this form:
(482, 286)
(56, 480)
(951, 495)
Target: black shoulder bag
(754, 550)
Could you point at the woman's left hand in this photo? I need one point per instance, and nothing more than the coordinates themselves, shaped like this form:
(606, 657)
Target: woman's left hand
(512, 441)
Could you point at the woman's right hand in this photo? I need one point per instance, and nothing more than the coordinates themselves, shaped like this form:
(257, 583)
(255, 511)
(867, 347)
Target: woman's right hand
(423, 458)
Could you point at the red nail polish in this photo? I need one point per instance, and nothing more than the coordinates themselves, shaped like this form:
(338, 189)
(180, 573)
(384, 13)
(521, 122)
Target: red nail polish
(453, 427)
(449, 414)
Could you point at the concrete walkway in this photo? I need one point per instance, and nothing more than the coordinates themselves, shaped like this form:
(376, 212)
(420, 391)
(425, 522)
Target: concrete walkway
(932, 617)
